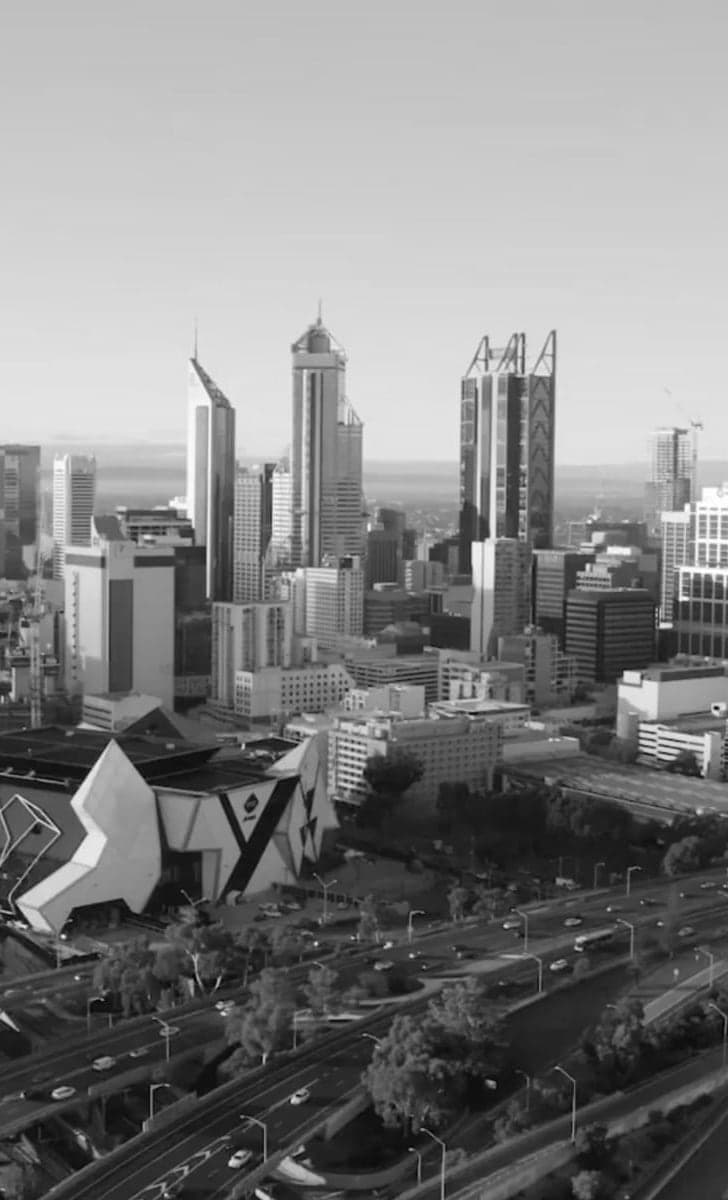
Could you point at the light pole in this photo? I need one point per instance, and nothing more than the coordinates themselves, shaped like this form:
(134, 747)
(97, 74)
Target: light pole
(711, 962)
(724, 1018)
(630, 926)
(629, 877)
(534, 958)
(597, 867)
(413, 912)
(529, 1081)
(572, 1081)
(412, 1150)
(443, 1147)
(153, 1087)
(524, 917)
(261, 1125)
(166, 1034)
(325, 888)
(370, 1037)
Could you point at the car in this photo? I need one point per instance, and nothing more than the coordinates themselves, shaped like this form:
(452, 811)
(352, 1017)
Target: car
(222, 1004)
(708, 884)
(79, 978)
(383, 964)
(342, 905)
(63, 1093)
(648, 901)
(461, 954)
(240, 1158)
(512, 923)
(613, 908)
(572, 922)
(293, 906)
(414, 954)
(301, 1096)
(686, 931)
(686, 895)
(140, 1052)
(104, 1063)
(660, 924)
(424, 966)
(388, 946)
(559, 964)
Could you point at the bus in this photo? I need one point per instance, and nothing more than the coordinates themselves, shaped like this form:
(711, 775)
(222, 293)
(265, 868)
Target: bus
(597, 937)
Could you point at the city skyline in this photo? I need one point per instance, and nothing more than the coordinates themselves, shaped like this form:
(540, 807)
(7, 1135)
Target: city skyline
(384, 201)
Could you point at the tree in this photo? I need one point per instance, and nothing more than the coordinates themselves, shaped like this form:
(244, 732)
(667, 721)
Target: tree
(457, 898)
(321, 989)
(511, 1122)
(18, 1181)
(407, 1083)
(207, 951)
(263, 1025)
(254, 945)
(465, 1029)
(588, 1185)
(682, 856)
(370, 914)
(619, 1040)
(388, 778)
(591, 1146)
(286, 944)
(126, 972)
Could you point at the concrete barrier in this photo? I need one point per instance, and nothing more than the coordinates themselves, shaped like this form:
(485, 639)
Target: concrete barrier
(346, 1113)
(168, 1115)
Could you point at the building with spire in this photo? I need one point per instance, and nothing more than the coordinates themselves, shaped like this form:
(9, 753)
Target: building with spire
(211, 476)
(326, 454)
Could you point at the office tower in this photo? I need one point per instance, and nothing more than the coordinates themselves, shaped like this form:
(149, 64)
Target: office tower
(610, 631)
(678, 532)
(21, 492)
(384, 557)
(252, 530)
(507, 413)
(622, 567)
(282, 515)
(673, 480)
(74, 496)
(334, 601)
(119, 615)
(326, 454)
(211, 476)
(555, 573)
(247, 638)
(501, 592)
(699, 611)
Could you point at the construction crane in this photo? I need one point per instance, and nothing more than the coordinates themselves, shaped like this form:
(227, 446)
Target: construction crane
(696, 427)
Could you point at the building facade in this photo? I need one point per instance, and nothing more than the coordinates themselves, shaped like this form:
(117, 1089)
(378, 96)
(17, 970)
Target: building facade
(333, 599)
(74, 496)
(20, 497)
(119, 615)
(282, 515)
(610, 631)
(247, 637)
(211, 476)
(554, 577)
(252, 532)
(507, 415)
(277, 693)
(501, 591)
(672, 484)
(678, 549)
(326, 454)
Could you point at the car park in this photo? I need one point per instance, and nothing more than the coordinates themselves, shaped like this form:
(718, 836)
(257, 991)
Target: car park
(301, 1096)
(63, 1093)
(559, 964)
(104, 1063)
(240, 1158)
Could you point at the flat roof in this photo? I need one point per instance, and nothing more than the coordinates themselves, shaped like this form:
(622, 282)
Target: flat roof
(55, 752)
(625, 781)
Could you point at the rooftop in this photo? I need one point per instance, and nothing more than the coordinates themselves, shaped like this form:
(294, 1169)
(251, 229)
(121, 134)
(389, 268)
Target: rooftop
(55, 753)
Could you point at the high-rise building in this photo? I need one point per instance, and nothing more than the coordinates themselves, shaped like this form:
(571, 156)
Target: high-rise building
(21, 491)
(384, 557)
(507, 414)
(74, 496)
(678, 535)
(554, 577)
(211, 476)
(252, 531)
(334, 601)
(119, 615)
(673, 482)
(501, 592)
(609, 631)
(282, 515)
(248, 638)
(326, 453)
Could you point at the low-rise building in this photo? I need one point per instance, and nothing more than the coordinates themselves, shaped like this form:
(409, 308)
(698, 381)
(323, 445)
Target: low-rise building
(275, 692)
(662, 693)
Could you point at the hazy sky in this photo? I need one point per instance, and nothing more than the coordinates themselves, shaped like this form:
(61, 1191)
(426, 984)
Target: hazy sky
(432, 170)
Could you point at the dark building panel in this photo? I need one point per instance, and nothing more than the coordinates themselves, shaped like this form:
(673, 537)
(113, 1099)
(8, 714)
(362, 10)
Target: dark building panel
(121, 634)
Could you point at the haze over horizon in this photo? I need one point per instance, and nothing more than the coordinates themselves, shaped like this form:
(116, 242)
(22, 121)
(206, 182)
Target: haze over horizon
(234, 170)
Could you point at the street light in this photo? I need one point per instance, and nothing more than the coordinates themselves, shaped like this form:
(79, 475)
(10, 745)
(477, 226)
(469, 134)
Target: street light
(711, 961)
(443, 1147)
(572, 1081)
(325, 888)
(370, 1036)
(413, 912)
(529, 1082)
(166, 1033)
(630, 926)
(535, 958)
(524, 916)
(152, 1089)
(629, 877)
(724, 1017)
(261, 1125)
(596, 873)
(412, 1150)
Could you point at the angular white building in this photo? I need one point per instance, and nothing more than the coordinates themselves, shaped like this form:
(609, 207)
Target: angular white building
(211, 476)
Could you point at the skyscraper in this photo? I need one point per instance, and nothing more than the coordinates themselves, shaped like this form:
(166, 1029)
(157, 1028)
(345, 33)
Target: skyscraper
(211, 476)
(252, 527)
(326, 453)
(21, 492)
(678, 535)
(501, 591)
(282, 516)
(674, 467)
(74, 496)
(507, 414)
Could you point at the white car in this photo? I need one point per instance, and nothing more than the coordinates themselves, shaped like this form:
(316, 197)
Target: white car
(383, 965)
(388, 946)
(240, 1158)
(301, 1096)
(414, 954)
(572, 922)
(613, 908)
(708, 884)
(512, 923)
(63, 1093)
(686, 931)
(104, 1063)
(559, 964)
(141, 1052)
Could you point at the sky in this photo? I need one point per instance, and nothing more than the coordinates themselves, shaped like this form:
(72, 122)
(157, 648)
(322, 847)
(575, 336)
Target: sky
(430, 171)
